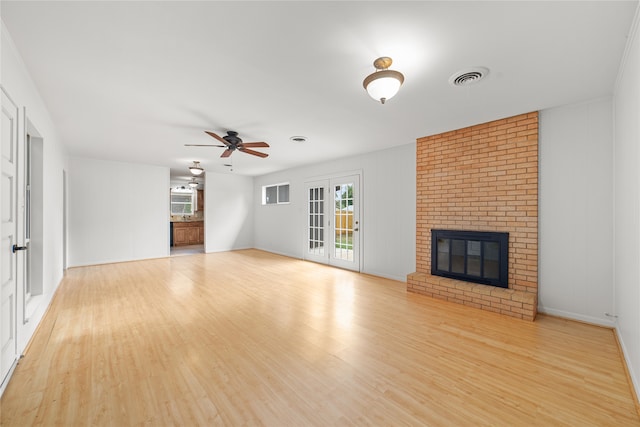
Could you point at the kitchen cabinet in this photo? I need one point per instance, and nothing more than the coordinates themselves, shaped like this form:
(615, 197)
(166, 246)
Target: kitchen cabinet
(188, 233)
(179, 236)
(193, 235)
(200, 201)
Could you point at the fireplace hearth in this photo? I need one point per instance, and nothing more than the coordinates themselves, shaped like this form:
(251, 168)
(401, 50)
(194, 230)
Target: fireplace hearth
(471, 256)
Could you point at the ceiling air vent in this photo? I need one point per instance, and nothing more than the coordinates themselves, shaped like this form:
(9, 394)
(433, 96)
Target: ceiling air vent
(468, 77)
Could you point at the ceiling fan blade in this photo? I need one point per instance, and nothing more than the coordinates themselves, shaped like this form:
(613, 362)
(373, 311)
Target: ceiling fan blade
(216, 137)
(226, 153)
(255, 144)
(254, 153)
(204, 145)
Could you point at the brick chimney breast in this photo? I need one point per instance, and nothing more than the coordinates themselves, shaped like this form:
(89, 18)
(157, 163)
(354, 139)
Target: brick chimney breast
(481, 178)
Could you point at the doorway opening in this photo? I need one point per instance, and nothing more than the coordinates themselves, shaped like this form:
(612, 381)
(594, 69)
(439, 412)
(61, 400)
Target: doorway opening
(34, 219)
(186, 223)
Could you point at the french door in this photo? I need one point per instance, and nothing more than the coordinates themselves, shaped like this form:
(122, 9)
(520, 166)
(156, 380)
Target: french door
(333, 222)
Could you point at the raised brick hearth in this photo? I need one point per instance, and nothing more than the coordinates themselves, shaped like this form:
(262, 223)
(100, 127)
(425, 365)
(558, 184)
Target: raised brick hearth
(499, 300)
(481, 178)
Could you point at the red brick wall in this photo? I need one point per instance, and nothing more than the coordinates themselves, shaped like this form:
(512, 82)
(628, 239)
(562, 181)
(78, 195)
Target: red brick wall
(482, 178)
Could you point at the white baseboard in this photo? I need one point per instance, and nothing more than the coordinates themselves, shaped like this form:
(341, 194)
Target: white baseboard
(576, 316)
(4, 384)
(402, 279)
(627, 362)
(271, 251)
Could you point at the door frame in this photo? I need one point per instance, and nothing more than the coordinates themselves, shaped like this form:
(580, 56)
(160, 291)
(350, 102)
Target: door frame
(329, 241)
(33, 268)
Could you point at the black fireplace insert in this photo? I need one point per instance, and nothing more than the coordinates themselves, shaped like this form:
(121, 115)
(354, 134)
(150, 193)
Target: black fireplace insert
(471, 256)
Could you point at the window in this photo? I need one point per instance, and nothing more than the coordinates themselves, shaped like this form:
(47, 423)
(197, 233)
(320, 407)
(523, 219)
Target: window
(183, 201)
(275, 194)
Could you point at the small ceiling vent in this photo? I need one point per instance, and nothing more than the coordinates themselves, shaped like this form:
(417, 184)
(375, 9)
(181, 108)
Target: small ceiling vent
(468, 77)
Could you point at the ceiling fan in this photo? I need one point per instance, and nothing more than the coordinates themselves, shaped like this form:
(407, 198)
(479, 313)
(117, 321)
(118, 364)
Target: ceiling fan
(232, 143)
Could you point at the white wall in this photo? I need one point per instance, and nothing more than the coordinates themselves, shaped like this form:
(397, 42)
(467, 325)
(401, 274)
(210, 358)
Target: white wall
(388, 210)
(117, 211)
(627, 203)
(228, 212)
(576, 211)
(15, 79)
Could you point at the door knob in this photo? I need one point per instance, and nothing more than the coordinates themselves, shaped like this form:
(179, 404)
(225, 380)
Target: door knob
(18, 248)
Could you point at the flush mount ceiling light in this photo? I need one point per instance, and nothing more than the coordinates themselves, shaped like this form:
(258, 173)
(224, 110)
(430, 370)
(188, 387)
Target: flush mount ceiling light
(196, 169)
(193, 183)
(383, 84)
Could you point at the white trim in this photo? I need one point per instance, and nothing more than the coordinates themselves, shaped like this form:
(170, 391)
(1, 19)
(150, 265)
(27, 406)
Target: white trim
(31, 306)
(626, 359)
(402, 279)
(575, 316)
(293, 256)
(7, 378)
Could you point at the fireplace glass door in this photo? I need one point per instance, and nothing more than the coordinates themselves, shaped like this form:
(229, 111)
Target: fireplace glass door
(480, 257)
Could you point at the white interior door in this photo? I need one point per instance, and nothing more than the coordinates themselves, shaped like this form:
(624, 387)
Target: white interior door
(333, 222)
(8, 213)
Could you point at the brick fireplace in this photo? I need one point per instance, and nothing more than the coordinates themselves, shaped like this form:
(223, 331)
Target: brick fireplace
(481, 178)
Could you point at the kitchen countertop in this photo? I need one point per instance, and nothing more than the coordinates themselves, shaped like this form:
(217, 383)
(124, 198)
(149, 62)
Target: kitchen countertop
(186, 220)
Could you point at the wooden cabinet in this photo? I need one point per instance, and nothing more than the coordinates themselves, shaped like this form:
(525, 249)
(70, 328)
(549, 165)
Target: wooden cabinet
(179, 236)
(193, 235)
(200, 201)
(188, 233)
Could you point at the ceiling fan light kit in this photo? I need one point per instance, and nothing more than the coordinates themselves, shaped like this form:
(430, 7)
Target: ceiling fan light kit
(383, 84)
(196, 169)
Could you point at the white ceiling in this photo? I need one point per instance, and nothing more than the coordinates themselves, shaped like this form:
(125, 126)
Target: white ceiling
(135, 81)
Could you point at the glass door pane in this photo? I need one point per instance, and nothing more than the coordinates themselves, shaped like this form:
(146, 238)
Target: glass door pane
(343, 200)
(315, 226)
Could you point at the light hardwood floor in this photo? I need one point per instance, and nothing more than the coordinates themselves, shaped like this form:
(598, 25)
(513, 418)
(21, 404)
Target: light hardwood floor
(251, 338)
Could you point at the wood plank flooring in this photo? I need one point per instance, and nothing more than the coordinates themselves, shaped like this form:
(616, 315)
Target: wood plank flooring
(252, 338)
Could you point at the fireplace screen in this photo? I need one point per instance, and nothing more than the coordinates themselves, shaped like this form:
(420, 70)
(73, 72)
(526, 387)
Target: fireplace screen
(472, 256)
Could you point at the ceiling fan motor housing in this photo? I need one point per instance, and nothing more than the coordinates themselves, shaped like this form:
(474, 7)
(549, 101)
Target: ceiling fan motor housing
(232, 138)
